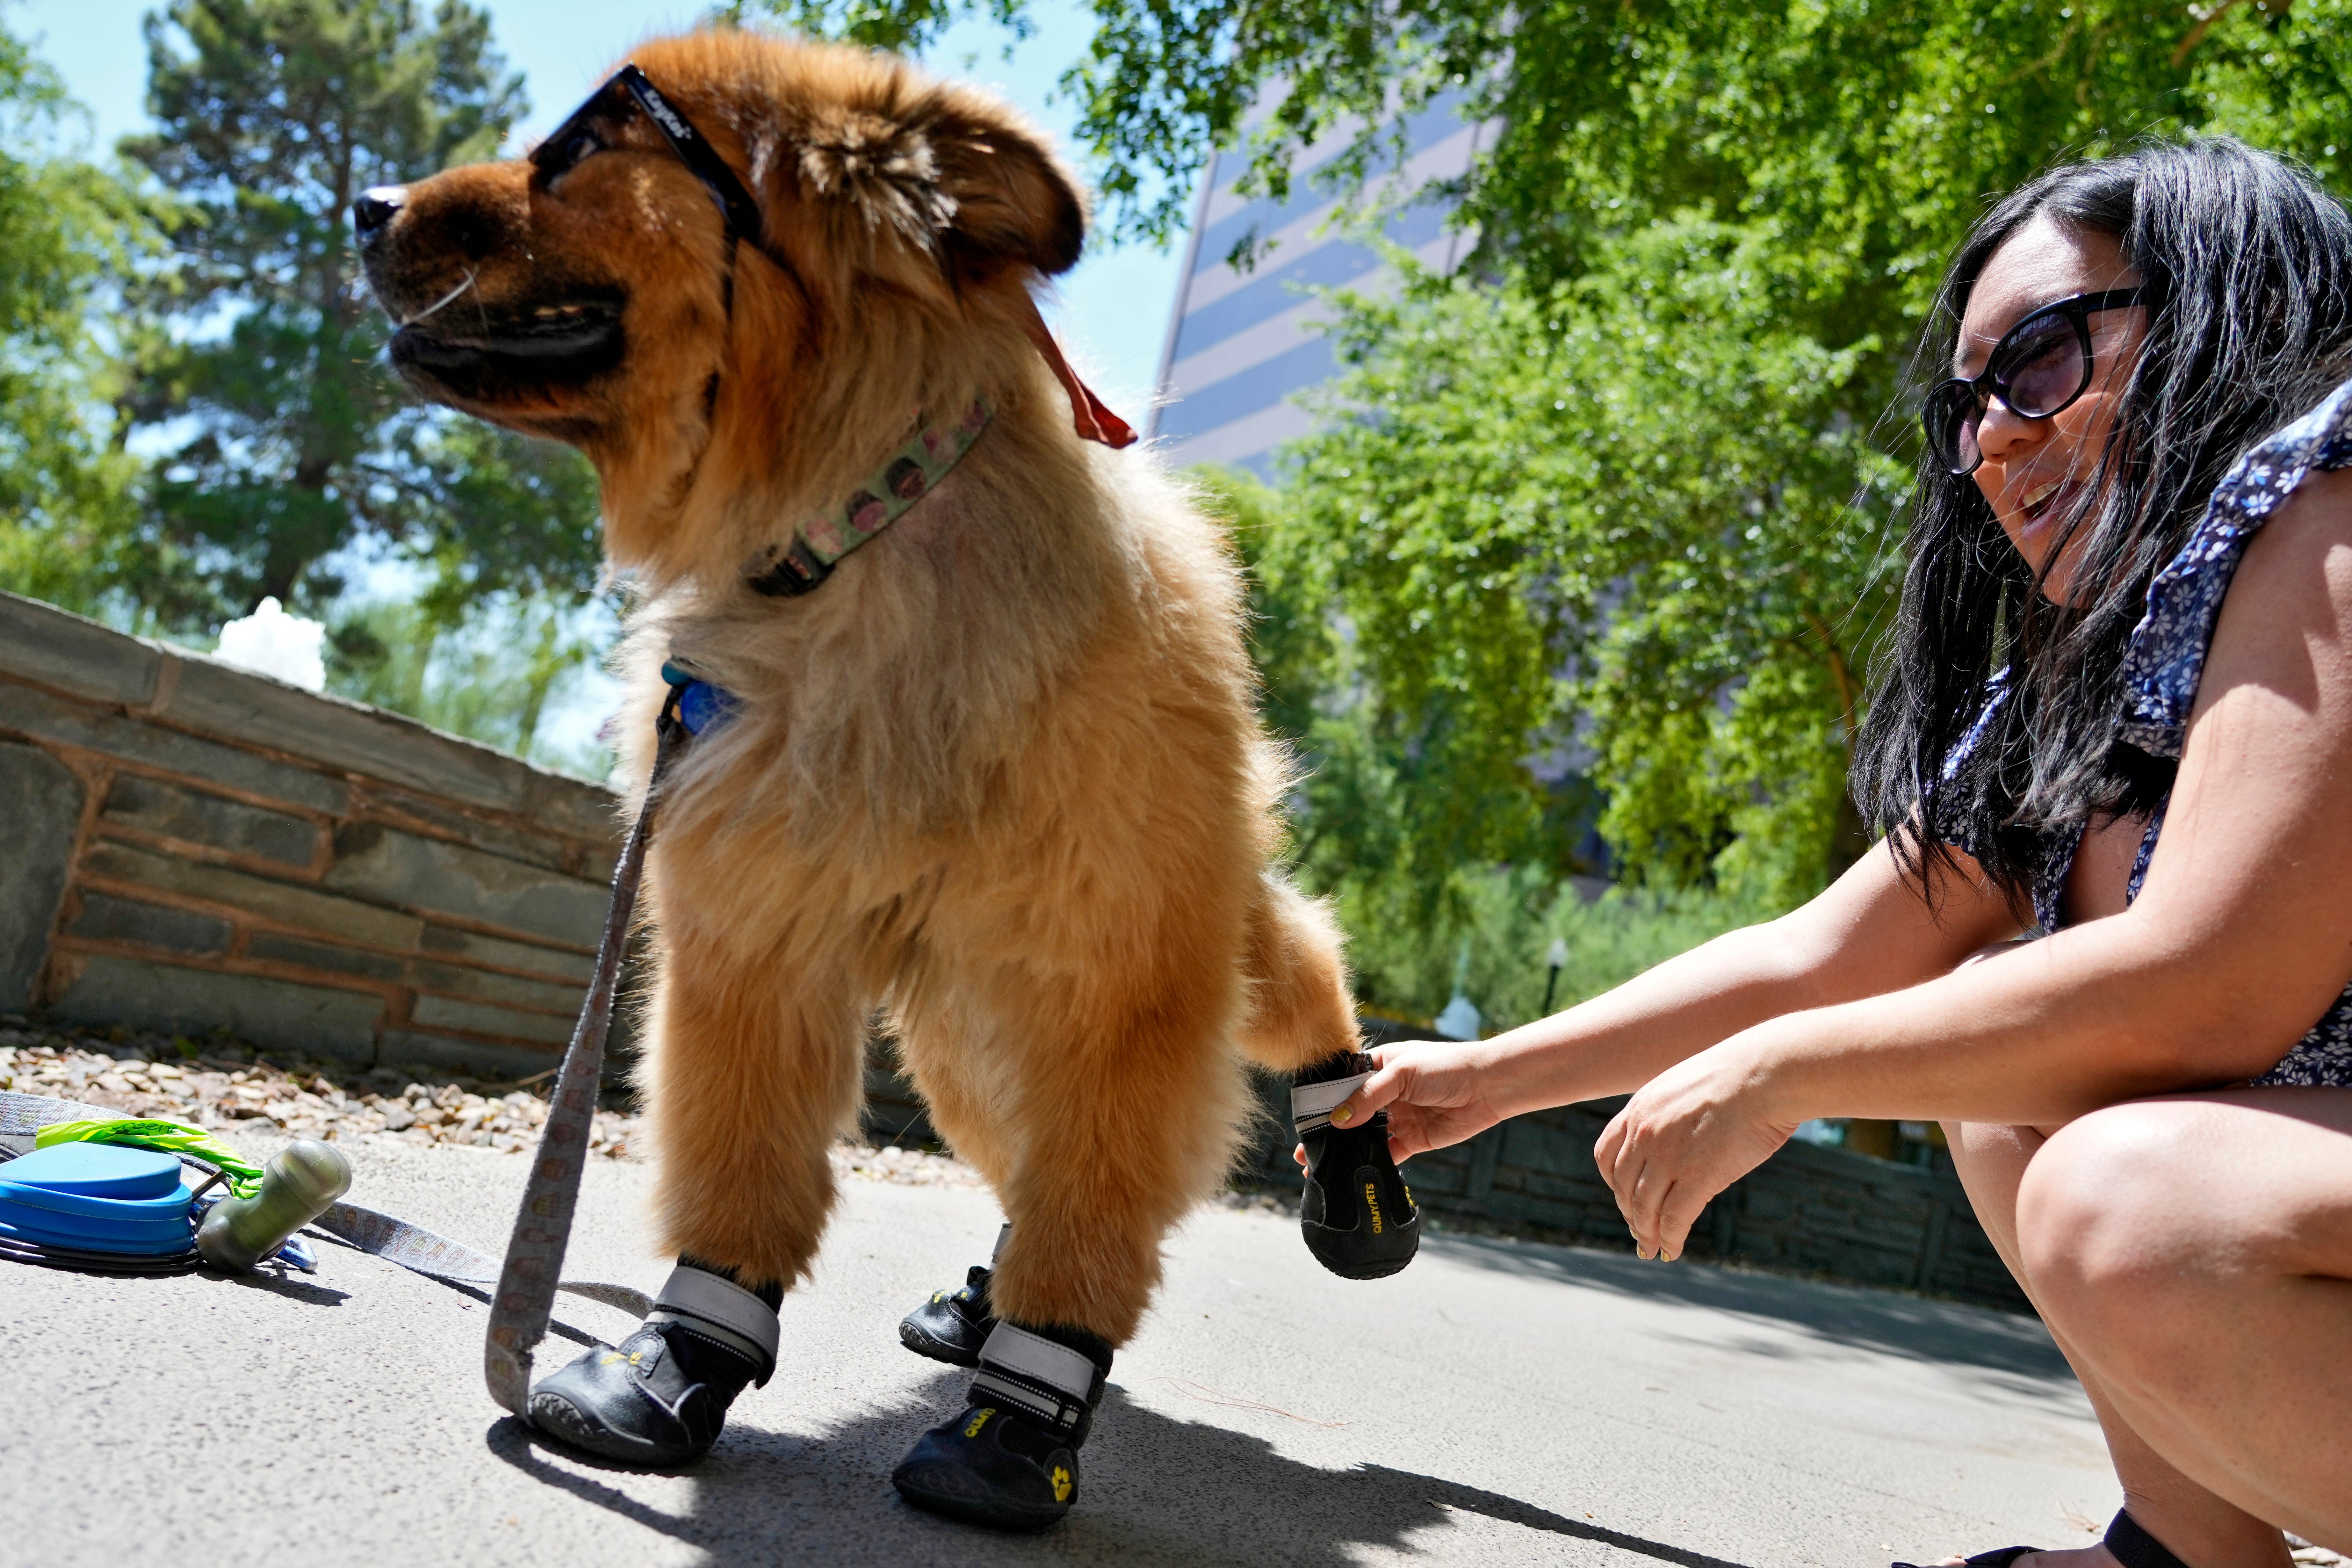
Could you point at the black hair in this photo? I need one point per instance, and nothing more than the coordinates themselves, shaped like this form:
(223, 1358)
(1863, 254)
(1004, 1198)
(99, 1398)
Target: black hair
(2247, 268)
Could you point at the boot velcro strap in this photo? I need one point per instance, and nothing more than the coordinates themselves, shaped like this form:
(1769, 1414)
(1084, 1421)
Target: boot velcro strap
(718, 1304)
(1311, 1104)
(1032, 1373)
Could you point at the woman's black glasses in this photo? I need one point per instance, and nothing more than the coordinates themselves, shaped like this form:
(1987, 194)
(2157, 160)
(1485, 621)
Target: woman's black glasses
(577, 138)
(2040, 366)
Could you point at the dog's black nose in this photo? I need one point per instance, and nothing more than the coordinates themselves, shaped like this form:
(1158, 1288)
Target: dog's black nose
(374, 208)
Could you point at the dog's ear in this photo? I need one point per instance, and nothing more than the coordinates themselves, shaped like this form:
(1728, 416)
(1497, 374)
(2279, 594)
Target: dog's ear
(954, 178)
(1013, 200)
(954, 175)
(881, 167)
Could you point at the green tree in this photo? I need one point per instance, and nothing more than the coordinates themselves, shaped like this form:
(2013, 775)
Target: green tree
(503, 624)
(1630, 522)
(271, 116)
(67, 231)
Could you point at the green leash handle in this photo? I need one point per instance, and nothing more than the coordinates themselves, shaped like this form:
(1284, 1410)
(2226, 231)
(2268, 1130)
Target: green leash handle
(244, 1177)
(298, 1184)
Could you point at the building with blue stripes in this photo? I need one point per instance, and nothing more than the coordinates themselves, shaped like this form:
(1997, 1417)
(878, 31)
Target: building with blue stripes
(1241, 344)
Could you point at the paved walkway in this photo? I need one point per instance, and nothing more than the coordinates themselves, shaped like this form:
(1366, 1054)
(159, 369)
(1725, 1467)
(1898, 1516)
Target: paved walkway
(1495, 1403)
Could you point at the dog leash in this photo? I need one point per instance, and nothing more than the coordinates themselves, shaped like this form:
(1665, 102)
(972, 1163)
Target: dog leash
(527, 1282)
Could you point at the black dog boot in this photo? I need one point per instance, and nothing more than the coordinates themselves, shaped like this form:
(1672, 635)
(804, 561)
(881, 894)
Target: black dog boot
(1357, 1215)
(952, 1327)
(1010, 1460)
(660, 1396)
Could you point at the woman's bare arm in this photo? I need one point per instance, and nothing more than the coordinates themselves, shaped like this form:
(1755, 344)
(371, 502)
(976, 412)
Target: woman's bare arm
(1868, 933)
(2239, 939)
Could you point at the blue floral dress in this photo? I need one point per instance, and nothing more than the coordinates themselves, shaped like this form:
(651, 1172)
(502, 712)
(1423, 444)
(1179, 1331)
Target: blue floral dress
(2165, 661)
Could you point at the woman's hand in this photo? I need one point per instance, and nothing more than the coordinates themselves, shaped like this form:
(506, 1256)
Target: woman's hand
(1436, 1091)
(1687, 1135)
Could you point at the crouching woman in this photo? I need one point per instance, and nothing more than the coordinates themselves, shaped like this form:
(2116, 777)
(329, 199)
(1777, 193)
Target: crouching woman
(2117, 720)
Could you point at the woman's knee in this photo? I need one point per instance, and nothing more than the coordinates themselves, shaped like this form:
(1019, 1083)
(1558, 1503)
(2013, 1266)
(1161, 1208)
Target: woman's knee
(2118, 1227)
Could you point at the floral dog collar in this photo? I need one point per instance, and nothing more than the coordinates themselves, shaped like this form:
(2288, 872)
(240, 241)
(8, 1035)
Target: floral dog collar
(906, 477)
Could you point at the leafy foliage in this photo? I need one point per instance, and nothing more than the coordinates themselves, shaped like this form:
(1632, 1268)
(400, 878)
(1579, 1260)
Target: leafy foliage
(1512, 919)
(68, 523)
(1861, 128)
(1609, 527)
(272, 115)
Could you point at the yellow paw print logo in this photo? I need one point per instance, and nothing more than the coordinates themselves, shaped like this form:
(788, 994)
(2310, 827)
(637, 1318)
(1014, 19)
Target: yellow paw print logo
(1061, 1484)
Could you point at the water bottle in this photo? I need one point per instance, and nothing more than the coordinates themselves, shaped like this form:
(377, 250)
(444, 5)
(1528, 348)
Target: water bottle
(297, 1187)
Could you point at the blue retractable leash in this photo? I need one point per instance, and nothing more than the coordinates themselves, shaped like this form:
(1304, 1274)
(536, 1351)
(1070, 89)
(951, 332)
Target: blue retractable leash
(109, 1193)
(113, 1173)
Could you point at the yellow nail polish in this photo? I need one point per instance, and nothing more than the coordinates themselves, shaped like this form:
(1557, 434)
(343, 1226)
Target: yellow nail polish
(1341, 1116)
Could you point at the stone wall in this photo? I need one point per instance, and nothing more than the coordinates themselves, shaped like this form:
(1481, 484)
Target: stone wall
(187, 846)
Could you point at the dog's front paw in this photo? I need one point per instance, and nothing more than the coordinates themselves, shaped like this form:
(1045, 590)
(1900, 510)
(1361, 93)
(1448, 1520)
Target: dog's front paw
(1010, 1460)
(634, 1402)
(658, 1398)
(992, 1466)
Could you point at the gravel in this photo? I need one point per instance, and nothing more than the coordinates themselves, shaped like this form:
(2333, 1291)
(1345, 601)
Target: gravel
(225, 1087)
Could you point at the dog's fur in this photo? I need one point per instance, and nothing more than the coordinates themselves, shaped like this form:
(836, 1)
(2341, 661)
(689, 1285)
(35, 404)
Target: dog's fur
(1001, 775)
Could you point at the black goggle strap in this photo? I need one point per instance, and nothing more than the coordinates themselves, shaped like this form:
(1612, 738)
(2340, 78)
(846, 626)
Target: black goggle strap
(735, 204)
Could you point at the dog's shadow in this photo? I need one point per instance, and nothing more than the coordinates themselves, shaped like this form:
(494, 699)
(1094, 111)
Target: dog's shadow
(1155, 1490)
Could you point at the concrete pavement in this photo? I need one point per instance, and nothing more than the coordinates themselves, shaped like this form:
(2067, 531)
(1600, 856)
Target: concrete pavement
(1495, 1403)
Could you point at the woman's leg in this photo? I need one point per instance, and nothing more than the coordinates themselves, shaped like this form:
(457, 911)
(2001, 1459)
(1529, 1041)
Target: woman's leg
(2195, 1255)
(2202, 1529)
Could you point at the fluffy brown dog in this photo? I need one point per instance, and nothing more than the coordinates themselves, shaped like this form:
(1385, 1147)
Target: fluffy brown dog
(999, 775)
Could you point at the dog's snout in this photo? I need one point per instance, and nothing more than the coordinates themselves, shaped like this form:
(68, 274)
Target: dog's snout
(375, 207)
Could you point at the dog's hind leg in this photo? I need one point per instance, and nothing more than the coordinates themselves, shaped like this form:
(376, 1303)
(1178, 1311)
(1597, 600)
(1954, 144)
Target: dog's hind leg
(1357, 1215)
(949, 1061)
(747, 1080)
(1300, 1013)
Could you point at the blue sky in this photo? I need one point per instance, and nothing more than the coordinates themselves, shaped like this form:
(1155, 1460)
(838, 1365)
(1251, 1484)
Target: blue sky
(1113, 309)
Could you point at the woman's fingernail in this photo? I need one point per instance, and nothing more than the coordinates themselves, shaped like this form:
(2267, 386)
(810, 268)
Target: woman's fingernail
(1343, 1115)
(1640, 1252)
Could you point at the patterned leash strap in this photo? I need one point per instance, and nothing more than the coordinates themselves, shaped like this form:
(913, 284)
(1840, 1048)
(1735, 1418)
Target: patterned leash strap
(21, 1117)
(420, 1251)
(525, 1297)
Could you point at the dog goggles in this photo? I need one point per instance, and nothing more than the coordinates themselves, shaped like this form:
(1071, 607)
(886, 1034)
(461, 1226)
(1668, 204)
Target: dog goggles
(576, 138)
